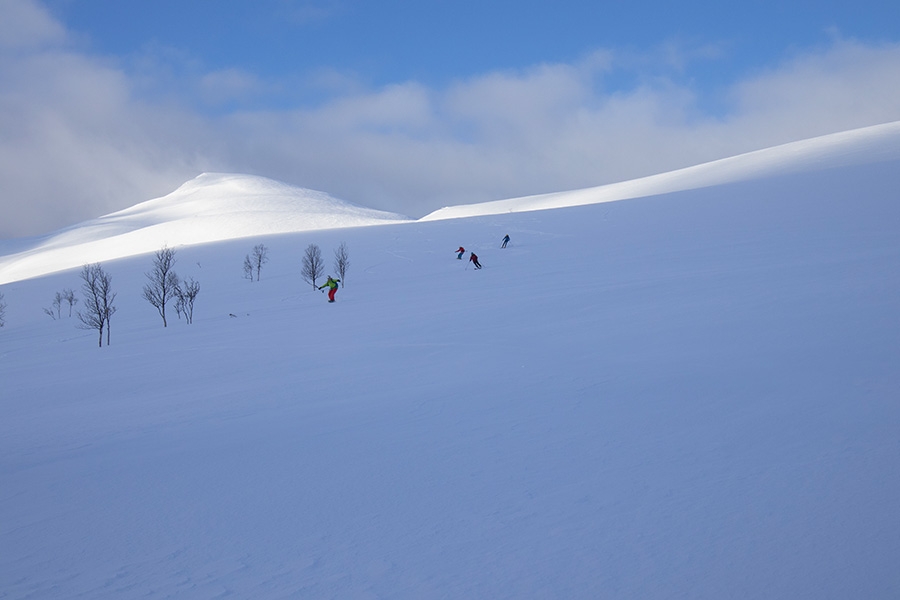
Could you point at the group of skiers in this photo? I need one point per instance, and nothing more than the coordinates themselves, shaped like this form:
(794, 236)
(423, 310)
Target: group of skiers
(473, 258)
(332, 282)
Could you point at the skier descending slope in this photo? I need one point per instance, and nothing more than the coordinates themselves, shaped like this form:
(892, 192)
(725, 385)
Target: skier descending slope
(333, 284)
(460, 252)
(473, 258)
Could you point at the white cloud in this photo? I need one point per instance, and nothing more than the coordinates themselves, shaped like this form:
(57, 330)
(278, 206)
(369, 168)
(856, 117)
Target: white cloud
(552, 127)
(81, 135)
(394, 108)
(845, 86)
(74, 142)
(25, 24)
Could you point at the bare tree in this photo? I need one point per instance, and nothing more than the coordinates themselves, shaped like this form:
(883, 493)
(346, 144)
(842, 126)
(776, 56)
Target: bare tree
(342, 262)
(255, 261)
(258, 258)
(69, 296)
(93, 316)
(163, 281)
(2, 311)
(98, 300)
(313, 267)
(185, 293)
(55, 309)
(108, 298)
(248, 268)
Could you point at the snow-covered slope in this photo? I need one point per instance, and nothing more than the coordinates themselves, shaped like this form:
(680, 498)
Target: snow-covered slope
(691, 395)
(216, 207)
(212, 207)
(859, 146)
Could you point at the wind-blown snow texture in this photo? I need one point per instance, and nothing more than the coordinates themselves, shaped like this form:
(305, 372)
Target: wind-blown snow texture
(690, 395)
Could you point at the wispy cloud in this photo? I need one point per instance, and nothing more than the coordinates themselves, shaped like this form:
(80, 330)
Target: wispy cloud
(846, 85)
(82, 135)
(554, 127)
(75, 142)
(26, 24)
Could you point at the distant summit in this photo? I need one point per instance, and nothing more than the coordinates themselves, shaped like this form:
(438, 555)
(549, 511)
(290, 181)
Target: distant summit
(215, 206)
(209, 208)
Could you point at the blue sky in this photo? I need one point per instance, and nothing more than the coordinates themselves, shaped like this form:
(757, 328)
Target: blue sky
(410, 106)
(393, 41)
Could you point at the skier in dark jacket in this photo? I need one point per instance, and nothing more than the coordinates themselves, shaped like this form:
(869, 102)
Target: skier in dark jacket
(333, 284)
(505, 241)
(460, 252)
(473, 258)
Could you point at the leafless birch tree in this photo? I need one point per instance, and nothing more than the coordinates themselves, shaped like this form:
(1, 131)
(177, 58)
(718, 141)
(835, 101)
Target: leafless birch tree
(255, 261)
(185, 293)
(69, 296)
(55, 309)
(342, 262)
(248, 268)
(313, 267)
(163, 281)
(98, 300)
(259, 257)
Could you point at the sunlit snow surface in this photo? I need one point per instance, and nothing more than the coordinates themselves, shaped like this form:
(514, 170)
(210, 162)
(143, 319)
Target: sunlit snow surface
(687, 395)
(859, 146)
(210, 208)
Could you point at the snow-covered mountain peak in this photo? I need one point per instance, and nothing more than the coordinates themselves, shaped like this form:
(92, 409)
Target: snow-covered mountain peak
(209, 208)
(657, 398)
(219, 206)
(246, 204)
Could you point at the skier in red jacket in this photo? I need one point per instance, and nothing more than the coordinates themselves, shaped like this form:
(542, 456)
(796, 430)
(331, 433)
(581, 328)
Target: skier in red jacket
(473, 258)
(461, 251)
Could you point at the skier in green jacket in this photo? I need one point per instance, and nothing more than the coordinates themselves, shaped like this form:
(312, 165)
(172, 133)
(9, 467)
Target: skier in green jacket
(333, 284)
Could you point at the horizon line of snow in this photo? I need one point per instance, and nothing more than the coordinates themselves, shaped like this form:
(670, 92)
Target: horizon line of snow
(833, 150)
